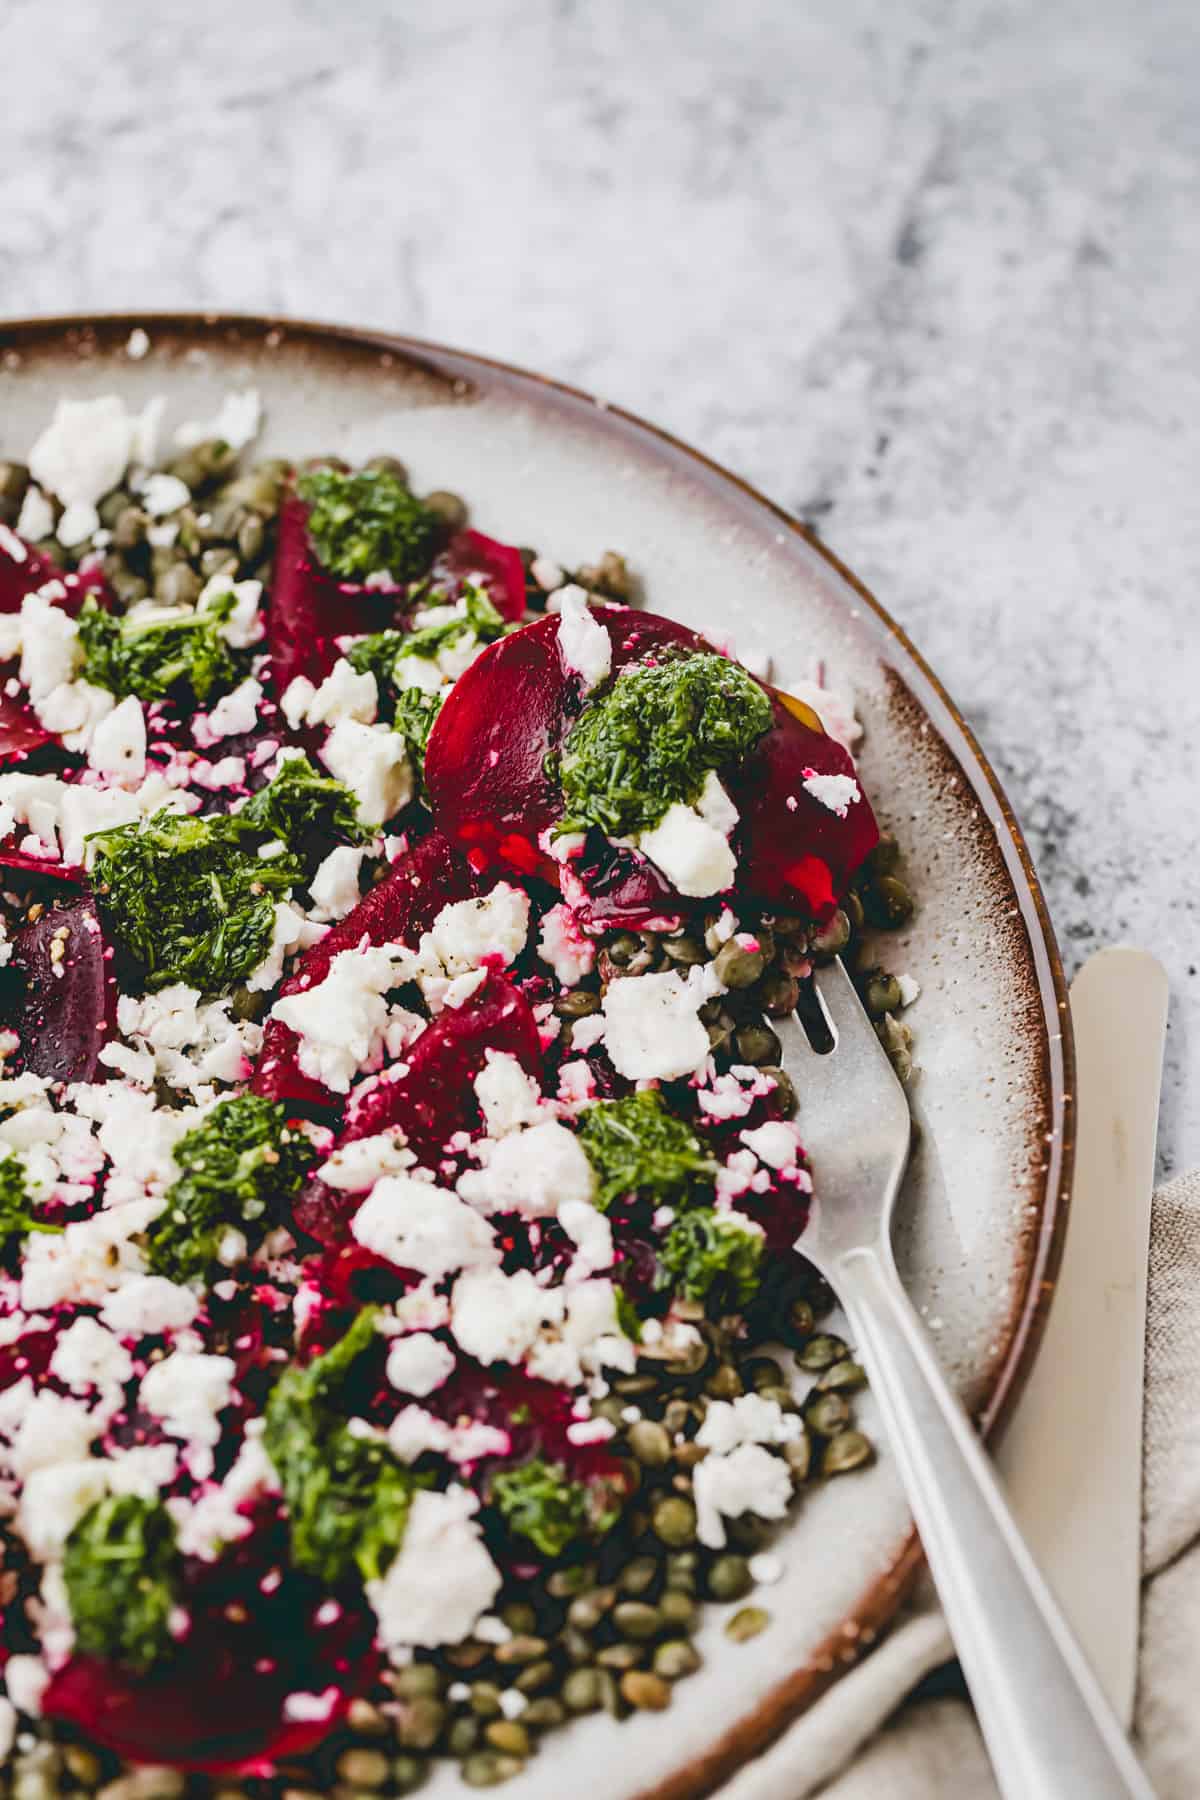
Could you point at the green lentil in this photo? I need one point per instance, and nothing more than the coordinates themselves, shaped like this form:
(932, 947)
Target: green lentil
(883, 994)
(678, 1608)
(620, 1656)
(450, 508)
(562, 1584)
(488, 1768)
(420, 1724)
(463, 1736)
(831, 939)
(635, 1619)
(650, 1443)
(674, 1521)
(581, 1691)
(543, 1714)
(778, 993)
(784, 1087)
(738, 967)
(485, 1700)
(762, 1372)
(637, 1576)
(724, 1383)
(848, 1450)
(797, 1454)
(419, 1681)
(757, 1044)
(647, 1692)
(821, 1352)
(586, 1612)
(747, 1623)
(363, 1768)
(844, 1377)
(676, 1658)
(579, 1003)
(729, 1578)
(888, 903)
(520, 1617)
(361, 1716)
(522, 1648)
(826, 1413)
(408, 1774)
(508, 1735)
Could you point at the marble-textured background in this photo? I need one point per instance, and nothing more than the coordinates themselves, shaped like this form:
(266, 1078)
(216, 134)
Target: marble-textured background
(927, 271)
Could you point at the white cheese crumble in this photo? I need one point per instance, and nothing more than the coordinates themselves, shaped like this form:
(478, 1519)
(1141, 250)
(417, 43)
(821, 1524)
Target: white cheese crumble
(36, 517)
(496, 1317)
(84, 452)
(747, 1420)
(583, 643)
(530, 1172)
(418, 1225)
(419, 1363)
(507, 1096)
(149, 1306)
(652, 1031)
(468, 932)
(188, 1391)
(118, 746)
(234, 714)
(342, 1021)
(334, 887)
(442, 1579)
(562, 944)
(344, 694)
(373, 763)
(838, 793)
(358, 1165)
(237, 424)
(694, 854)
(747, 1479)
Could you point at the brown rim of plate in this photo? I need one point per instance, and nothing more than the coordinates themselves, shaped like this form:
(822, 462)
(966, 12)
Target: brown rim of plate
(1023, 1332)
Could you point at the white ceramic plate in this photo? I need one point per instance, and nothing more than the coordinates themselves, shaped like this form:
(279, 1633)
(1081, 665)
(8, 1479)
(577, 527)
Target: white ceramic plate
(986, 1194)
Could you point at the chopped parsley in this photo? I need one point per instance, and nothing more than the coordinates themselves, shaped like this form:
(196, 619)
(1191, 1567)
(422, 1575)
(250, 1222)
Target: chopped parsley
(636, 1147)
(539, 1501)
(240, 1158)
(16, 1204)
(347, 1496)
(367, 523)
(653, 736)
(384, 653)
(300, 807)
(193, 898)
(414, 718)
(190, 899)
(121, 1568)
(177, 653)
(705, 1250)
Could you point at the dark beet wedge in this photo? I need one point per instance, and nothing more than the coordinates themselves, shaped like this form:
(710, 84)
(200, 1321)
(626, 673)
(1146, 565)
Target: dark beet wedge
(495, 566)
(12, 858)
(219, 1704)
(430, 1095)
(308, 609)
(20, 729)
(23, 570)
(486, 770)
(405, 903)
(618, 887)
(65, 1009)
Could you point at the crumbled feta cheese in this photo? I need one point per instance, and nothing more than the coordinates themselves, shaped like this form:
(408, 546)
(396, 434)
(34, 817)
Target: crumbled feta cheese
(342, 1021)
(835, 710)
(88, 1260)
(53, 1501)
(191, 1042)
(838, 793)
(245, 625)
(26, 1678)
(442, 1579)
(747, 1420)
(35, 520)
(188, 1391)
(50, 649)
(748, 1479)
(81, 456)
(137, 344)
(419, 1363)
(469, 932)
(358, 1165)
(237, 424)
(297, 698)
(694, 856)
(583, 643)
(291, 932)
(496, 1317)
(118, 746)
(651, 1026)
(910, 989)
(73, 710)
(8, 1728)
(218, 1517)
(507, 1096)
(567, 949)
(591, 1233)
(89, 1355)
(53, 1429)
(161, 495)
(334, 887)
(344, 694)
(144, 1470)
(373, 763)
(234, 714)
(777, 1143)
(418, 1225)
(531, 1172)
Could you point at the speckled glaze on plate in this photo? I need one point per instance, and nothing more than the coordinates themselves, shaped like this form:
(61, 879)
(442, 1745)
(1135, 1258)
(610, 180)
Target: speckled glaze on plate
(985, 1203)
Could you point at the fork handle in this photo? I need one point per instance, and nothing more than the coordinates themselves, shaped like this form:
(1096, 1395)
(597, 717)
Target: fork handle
(1049, 1730)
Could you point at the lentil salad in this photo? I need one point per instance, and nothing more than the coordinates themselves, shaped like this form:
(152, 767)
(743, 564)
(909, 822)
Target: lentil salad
(319, 989)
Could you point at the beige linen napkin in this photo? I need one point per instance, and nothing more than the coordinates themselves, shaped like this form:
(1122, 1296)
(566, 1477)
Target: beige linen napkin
(838, 1749)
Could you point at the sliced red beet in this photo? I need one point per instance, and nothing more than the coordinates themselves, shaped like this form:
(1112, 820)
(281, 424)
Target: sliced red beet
(405, 903)
(498, 568)
(309, 608)
(609, 886)
(23, 570)
(486, 771)
(222, 1702)
(12, 858)
(20, 729)
(65, 1006)
(432, 1098)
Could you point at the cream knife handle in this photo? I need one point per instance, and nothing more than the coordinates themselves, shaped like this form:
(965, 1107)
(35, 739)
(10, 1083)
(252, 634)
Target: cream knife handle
(1049, 1730)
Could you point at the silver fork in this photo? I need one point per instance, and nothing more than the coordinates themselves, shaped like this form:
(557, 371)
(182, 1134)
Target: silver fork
(1049, 1731)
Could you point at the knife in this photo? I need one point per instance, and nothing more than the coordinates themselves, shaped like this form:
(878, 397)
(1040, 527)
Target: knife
(1072, 1456)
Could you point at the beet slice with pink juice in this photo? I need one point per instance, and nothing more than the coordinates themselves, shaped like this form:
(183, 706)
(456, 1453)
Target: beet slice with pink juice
(430, 1095)
(404, 904)
(221, 1703)
(309, 609)
(64, 1006)
(491, 788)
(23, 570)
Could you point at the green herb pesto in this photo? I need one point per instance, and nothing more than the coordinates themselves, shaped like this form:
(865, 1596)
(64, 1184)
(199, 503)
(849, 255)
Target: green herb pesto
(636, 1147)
(122, 1574)
(384, 653)
(182, 655)
(347, 1496)
(367, 523)
(16, 1204)
(239, 1159)
(539, 1501)
(301, 808)
(189, 899)
(653, 736)
(705, 1250)
(414, 718)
